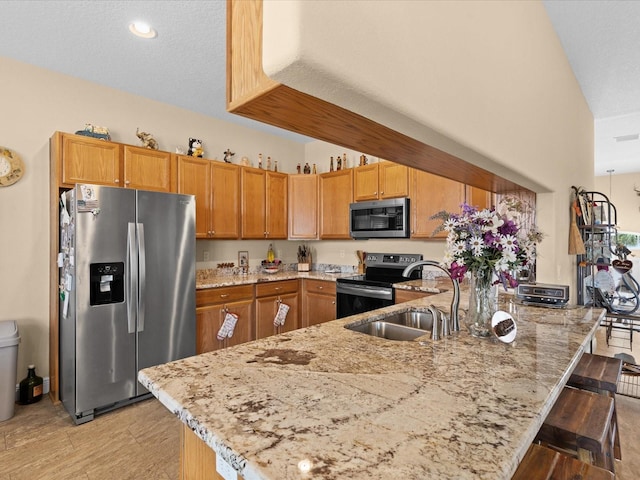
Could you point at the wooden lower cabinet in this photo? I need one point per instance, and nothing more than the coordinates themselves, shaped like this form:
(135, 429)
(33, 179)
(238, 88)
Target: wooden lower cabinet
(269, 297)
(408, 295)
(197, 459)
(318, 301)
(211, 307)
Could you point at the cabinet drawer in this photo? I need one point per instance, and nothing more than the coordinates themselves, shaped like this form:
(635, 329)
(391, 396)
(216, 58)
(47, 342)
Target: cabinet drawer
(276, 288)
(320, 286)
(213, 296)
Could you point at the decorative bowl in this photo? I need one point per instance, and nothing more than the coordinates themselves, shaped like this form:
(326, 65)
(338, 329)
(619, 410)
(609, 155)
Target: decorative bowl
(270, 267)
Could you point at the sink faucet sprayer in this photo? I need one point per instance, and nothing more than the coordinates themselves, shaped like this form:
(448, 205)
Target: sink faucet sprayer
(455, 322)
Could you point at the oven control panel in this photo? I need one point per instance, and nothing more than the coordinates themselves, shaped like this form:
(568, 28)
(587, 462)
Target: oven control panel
(392, 259)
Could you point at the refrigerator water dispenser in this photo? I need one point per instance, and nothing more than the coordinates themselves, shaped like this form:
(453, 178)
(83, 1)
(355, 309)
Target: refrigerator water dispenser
(106, 283)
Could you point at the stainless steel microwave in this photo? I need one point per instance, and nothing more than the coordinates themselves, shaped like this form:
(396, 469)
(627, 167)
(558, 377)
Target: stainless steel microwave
(379, 219)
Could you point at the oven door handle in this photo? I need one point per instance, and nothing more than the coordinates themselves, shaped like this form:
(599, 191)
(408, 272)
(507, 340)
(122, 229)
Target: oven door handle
(365, 291)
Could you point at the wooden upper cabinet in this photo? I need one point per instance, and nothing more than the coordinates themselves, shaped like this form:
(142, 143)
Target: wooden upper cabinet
(100, 162)
(393, 180)
(264, 204)
(216, 186)
(194, 178)
(254, 186)
(380, 180)
(478, 197)
(148, 169)
(225, 200)
(303, 207)
(276, 205)
(431, 194)
(336, 193)
(365, 183)
(88, 160)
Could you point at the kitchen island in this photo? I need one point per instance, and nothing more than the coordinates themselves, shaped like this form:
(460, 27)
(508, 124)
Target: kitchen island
(326, 402)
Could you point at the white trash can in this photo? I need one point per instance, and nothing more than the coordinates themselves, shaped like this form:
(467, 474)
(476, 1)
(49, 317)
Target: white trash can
(9, 340)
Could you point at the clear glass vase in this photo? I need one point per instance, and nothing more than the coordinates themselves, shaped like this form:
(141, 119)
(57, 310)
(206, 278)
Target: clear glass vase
(483, 301)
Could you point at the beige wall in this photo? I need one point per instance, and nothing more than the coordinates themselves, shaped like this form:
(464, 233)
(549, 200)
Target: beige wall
(620, 190)
(485, 80)
(36, 103)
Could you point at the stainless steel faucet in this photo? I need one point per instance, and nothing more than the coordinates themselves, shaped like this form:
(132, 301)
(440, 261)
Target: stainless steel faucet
(455, 321)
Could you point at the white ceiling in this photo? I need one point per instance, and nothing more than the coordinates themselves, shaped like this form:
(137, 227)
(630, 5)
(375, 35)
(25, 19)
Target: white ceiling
(185, 64)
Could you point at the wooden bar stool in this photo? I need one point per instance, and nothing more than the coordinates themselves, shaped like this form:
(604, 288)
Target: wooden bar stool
(580, 424)
(600, 374)
(541, 463)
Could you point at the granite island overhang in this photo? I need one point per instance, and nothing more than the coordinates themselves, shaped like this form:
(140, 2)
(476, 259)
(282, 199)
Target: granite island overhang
(326, 402)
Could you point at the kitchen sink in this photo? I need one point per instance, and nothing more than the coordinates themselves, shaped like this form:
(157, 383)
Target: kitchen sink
(390, 331)
(398, 326)
(421, 320)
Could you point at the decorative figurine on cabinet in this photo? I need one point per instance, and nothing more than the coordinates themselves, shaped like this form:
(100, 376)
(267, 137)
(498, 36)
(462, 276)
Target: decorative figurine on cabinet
(227, 155)
(268, 163)
(331, 165)
(298, 169)
(147, 140)
(259, 160)
(195, 148)
(339, 163)
(363, 160)
(307, 168)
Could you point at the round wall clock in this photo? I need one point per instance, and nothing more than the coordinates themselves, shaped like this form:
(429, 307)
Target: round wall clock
(11, 167)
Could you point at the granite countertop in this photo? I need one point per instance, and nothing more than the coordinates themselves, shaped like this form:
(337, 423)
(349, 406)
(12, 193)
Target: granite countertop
(208, 279)
(325, 402)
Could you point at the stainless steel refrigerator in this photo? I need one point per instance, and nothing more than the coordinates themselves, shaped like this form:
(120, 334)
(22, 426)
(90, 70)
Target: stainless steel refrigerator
(127, 292)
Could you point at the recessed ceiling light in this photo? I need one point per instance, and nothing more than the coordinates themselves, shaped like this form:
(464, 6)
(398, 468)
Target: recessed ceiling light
(627, 138)
(142, 30)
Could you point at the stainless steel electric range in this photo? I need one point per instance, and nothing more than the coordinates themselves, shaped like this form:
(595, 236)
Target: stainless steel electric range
(374, 289)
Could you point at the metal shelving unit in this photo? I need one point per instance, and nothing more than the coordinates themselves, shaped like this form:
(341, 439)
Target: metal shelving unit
(599, 232)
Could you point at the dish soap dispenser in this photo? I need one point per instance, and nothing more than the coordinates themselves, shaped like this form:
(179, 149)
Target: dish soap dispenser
(31, 387)
(271, 256)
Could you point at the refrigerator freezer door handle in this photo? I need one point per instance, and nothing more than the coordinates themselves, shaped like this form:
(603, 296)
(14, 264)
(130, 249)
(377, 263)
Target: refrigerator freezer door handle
(142, 279)
(131, 278)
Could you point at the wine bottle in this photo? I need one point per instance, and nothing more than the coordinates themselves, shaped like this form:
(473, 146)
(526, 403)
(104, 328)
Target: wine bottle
(31, 387)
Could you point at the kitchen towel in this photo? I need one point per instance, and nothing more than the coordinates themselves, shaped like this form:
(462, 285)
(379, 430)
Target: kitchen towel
(281, 314)
(226, 330)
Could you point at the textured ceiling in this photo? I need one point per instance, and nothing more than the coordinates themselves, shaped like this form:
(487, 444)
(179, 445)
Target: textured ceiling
(601, 40)
(185, 64)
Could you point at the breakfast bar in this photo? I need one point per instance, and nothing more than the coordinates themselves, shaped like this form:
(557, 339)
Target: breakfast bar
(326, 402)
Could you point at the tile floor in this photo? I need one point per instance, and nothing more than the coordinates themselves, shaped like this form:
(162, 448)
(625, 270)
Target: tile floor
(141, 441)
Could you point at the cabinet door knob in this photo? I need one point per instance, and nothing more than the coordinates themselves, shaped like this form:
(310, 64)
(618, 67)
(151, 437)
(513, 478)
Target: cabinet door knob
(117, 180)
(320, 287)
(127, 182)
(224, 295)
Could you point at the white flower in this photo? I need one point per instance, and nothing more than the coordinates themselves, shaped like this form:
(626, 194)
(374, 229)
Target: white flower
(477, 245)
(450, 224)
(496, 222)
(509, 242)
(459, 247)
